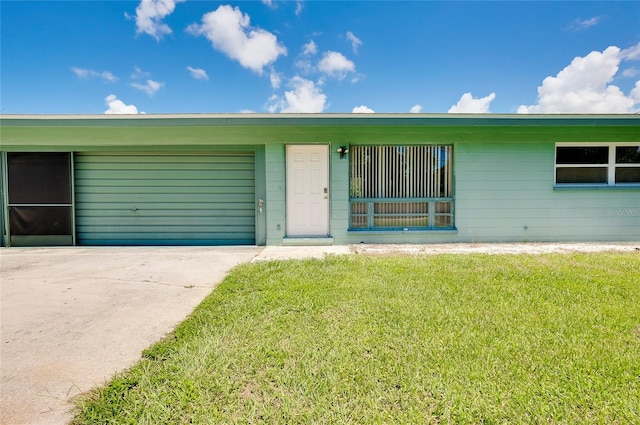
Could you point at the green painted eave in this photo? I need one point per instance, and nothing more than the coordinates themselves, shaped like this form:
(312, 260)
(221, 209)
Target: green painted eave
(201, 131)
(305, 120)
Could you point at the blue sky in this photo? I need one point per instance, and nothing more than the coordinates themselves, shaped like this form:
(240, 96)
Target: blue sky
(196, 56)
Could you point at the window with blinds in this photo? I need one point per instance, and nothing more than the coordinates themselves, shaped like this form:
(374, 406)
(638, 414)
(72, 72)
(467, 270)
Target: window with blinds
(400, 187)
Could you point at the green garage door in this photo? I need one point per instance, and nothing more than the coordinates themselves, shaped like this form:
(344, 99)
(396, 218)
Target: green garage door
(165, 199)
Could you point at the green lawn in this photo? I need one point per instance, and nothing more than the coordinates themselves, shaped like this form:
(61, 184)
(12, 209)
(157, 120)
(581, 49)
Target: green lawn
(412, 340)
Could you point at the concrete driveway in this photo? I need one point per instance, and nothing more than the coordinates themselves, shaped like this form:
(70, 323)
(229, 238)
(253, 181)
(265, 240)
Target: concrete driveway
(72, 317)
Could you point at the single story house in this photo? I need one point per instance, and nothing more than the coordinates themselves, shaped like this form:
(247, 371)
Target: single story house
(228, 179)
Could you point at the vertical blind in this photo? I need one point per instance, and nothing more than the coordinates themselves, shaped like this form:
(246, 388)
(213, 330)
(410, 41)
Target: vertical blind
(381, 172)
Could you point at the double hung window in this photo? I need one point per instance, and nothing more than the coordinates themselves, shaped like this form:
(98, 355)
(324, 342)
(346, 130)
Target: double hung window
(606, 165)
(401, 187)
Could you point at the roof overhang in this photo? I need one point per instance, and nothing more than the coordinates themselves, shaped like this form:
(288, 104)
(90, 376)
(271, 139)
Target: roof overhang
(347, 119)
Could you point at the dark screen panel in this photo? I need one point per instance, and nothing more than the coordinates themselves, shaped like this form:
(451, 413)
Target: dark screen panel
(628, 175)
(582, 155)
(628, 154)
(581, 175)
(50, 220)
(39, 177)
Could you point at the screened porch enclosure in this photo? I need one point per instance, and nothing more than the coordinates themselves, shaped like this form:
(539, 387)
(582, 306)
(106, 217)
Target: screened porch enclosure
(401, 187)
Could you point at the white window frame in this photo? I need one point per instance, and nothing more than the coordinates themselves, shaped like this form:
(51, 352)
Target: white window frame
(611, 165)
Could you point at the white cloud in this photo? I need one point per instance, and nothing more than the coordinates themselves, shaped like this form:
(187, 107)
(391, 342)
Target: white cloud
(630, 72)
(149, 16)
(581, 24)
(416, 109)
(298, 7)
(89, 73)
(631, 53)
(469, 104)
(228, 30)
(275, 79)
(80, 72)
(305, 66)
(197, 73)
(635, 92)
(336, 65)
(116, 106)
(150, 87)
(267, 2)
(311, 48)
(139, 74)
(584, 86)
(362, 109)
(355, 41)
(304, 62)
(305, 96)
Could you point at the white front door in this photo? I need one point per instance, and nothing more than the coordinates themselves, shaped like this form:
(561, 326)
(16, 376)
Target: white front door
(307, 190)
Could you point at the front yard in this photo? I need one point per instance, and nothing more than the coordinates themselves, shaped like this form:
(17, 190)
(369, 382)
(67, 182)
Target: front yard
(552, 338)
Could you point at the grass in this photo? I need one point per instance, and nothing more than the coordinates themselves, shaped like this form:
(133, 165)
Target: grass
(459, 339)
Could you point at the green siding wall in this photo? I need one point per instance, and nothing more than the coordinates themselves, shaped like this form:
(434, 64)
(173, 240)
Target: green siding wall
(165, 199)
(276, 195)
(339, 218)
(504, 192)
(503, 169)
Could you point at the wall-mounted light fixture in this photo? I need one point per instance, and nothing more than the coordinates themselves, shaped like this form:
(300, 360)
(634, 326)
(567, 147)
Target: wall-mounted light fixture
(342, 150)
